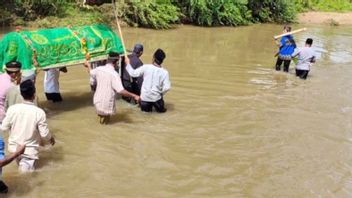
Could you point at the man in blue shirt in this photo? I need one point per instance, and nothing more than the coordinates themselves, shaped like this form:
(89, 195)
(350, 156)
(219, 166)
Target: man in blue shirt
(286, 46)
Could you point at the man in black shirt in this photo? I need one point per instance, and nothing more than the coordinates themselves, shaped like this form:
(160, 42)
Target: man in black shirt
(133, 85)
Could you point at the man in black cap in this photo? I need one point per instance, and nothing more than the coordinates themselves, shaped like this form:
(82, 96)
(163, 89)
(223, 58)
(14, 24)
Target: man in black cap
(27, 125)
(155, 82)
(133, 85)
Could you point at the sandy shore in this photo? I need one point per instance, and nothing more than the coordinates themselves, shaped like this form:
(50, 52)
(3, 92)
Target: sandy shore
(326, 18)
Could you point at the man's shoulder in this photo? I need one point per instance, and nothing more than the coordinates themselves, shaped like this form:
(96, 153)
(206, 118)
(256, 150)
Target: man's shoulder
(35, 109)
(101, 68)
(135, 61)
(25, 106)
(163, 68)
(15, 108)
(4, 77)
(308, 49)
(164, 71)
(13, 90)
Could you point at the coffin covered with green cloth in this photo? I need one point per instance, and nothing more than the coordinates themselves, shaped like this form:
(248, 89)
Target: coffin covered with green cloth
(51, 48)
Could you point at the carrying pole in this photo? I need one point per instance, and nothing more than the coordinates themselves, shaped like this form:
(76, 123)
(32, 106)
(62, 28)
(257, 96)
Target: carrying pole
(119, 28)
(289, 33)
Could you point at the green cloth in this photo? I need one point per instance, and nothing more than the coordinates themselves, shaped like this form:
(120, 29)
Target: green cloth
(58, 47)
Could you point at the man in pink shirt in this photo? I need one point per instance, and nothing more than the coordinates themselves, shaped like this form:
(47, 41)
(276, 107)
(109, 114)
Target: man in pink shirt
(7, 80)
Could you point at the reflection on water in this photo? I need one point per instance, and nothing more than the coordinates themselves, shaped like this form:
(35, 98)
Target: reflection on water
(234, 126)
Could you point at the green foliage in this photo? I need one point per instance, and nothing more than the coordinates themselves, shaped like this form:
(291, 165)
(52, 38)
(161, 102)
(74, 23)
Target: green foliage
(215, 12)
(151, 14)
(323, 5)
(304, 5)
(31, 9)
(161, 14)
(74, 16)
(281, 11)
(334, 5)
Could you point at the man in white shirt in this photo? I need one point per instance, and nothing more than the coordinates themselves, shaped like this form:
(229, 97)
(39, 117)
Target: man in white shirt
(51, 84)
(27, 125)
(306, 57)
(155, 82)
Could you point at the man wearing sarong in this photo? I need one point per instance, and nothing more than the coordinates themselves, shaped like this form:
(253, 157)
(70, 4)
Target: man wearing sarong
(108, 84)
(155, 82)
(286, 47)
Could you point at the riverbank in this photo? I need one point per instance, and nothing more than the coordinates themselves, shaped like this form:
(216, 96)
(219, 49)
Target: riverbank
(331, 18)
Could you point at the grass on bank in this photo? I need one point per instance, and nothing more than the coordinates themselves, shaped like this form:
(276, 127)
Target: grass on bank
(324, 5)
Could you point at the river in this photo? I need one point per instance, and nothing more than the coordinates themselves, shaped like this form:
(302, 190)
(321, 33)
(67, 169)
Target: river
(234, 126)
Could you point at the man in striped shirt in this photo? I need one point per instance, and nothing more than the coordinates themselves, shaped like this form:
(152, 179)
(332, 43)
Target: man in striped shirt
(108, 84)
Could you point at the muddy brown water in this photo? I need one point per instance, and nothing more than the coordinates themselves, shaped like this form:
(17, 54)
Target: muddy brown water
(234, 127)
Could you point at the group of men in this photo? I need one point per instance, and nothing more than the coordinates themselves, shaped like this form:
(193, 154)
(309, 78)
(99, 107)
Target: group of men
(287, 51)
(145, 84)
(20, 116)
(26, 122)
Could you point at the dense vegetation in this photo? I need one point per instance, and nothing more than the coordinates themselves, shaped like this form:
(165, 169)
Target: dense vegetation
(162, 14)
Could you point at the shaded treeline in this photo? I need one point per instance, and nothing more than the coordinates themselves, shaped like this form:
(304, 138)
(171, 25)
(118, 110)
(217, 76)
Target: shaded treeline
(162, 14)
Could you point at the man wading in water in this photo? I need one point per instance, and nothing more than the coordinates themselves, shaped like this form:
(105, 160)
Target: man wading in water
(6, 160)
(27, 125)
(155, 82)
(108, 84)
(286, 47)
(306, 57)
(133, 85)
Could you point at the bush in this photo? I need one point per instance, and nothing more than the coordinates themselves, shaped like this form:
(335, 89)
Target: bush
(304, 5)
(74, 16)
(161, 14)
(281, 11)
(150, 14)
(216, 12)
(32, 9)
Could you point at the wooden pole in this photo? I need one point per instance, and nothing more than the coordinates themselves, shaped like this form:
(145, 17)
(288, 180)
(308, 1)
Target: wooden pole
(289, 33)
(119, 28)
